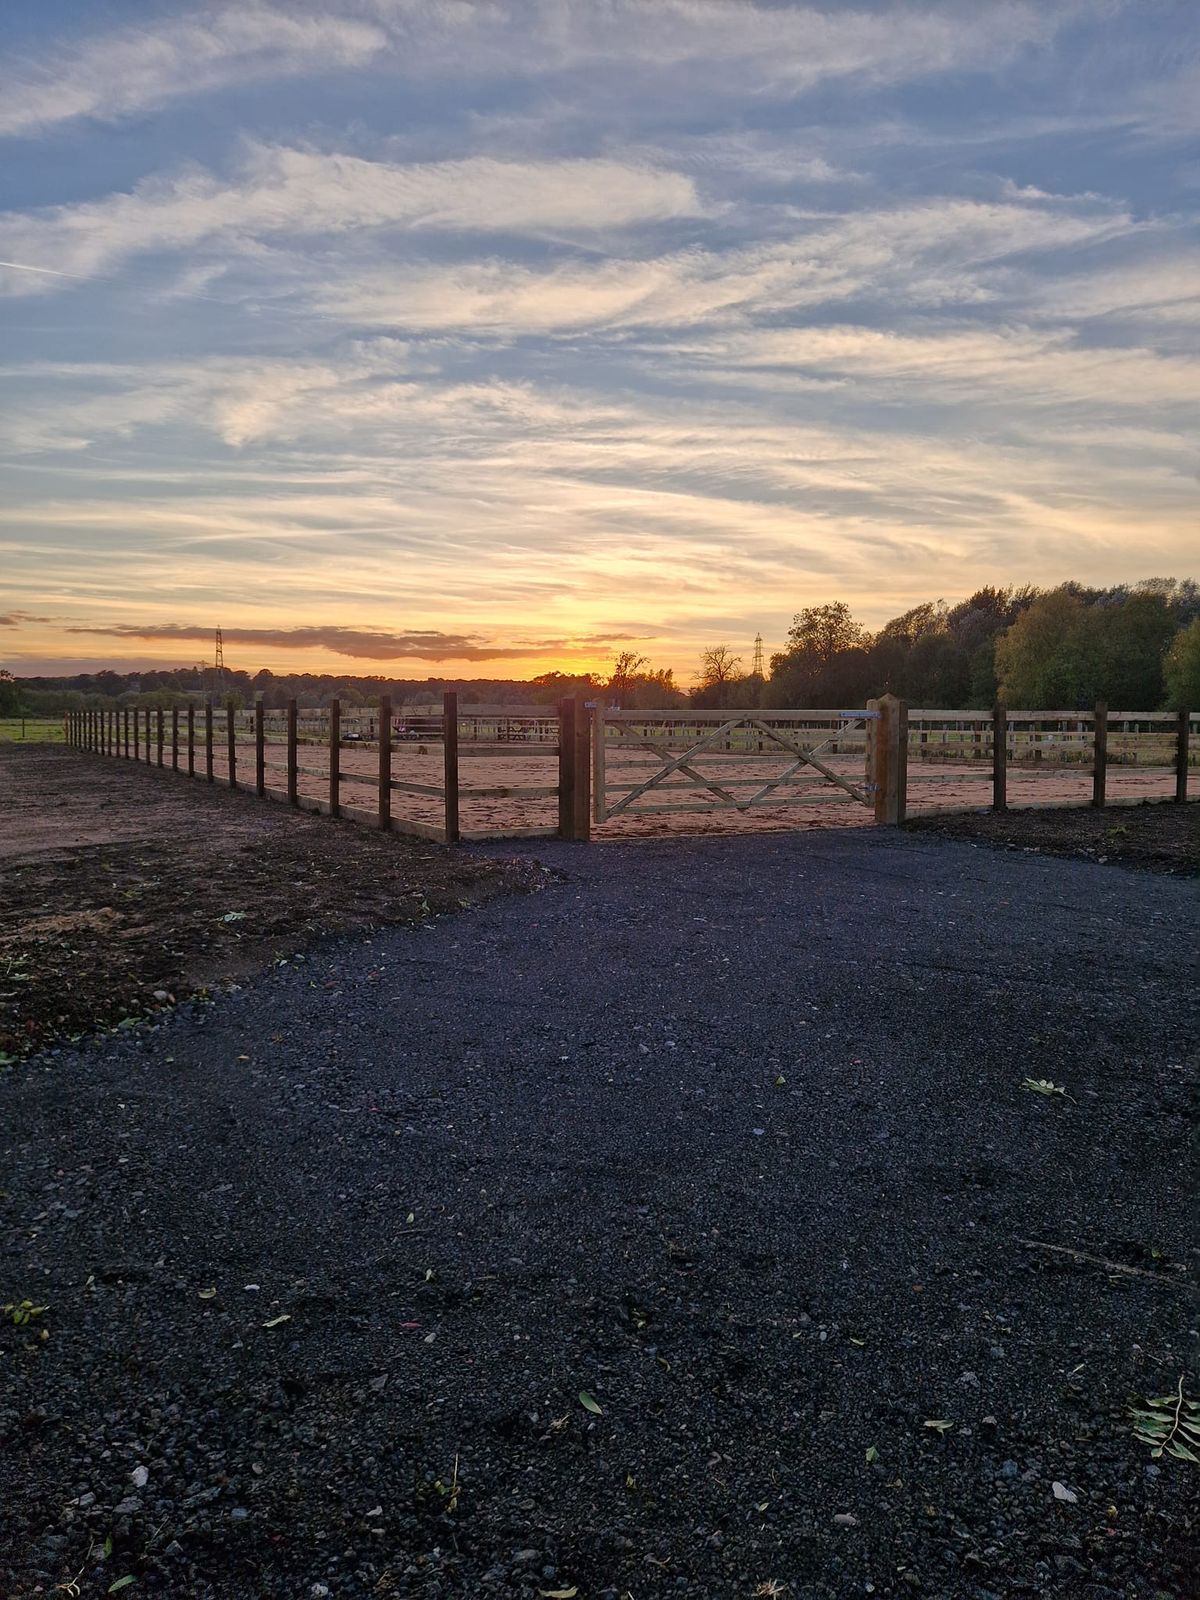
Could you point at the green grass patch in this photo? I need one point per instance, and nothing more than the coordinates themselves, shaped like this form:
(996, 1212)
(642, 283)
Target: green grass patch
(31, 730)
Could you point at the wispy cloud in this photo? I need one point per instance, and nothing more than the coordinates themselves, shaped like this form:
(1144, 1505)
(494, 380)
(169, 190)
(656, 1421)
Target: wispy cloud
(361, 644)
(299, 192)
(137, 69)
(727, 44)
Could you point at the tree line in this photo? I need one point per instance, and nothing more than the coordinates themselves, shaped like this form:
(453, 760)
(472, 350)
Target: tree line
(1137, 647)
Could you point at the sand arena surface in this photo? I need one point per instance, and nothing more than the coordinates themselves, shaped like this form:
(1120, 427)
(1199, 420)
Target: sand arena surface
(935, 783)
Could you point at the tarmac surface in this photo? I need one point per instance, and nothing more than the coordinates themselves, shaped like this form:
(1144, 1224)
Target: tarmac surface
(666, 1232)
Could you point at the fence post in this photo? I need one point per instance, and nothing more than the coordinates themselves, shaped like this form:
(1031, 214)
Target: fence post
(293, 792)
(191, 736)
(124, 732)
(583, 772)
(385, 763)
(335, 757)
(208, 739)
(231, 740)
(888, 763)
(999, 759)
(137, 734)
(1100, 753)
(174, 738)
(566, 769)
(160, 734)
(1183, 728)
(260, 753)
(450, 763)
(599, 778)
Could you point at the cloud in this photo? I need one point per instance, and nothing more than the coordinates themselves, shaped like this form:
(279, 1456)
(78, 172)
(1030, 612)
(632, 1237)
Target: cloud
(946, 366)
(721, 44)
(943, 251)
(361, 644)
(15, 619)
(283, 191)
(137, 69)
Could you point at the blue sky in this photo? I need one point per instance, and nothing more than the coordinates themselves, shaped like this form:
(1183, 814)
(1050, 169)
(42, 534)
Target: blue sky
(421, 336)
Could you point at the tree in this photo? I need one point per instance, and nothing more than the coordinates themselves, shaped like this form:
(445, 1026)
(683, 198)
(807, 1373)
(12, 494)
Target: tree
(825, 631)
(1133, 638)
(719, 666)
(923, 620)
(626, 668)
(10, 695)
(1048, 659)
(1181, 668)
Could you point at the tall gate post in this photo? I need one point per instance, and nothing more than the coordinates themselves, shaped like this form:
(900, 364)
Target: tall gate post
(566, 769)
(887, 758)
(450, 764)
(583, 771)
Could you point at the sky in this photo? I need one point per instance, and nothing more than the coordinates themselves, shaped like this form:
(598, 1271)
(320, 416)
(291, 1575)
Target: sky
(479, 337)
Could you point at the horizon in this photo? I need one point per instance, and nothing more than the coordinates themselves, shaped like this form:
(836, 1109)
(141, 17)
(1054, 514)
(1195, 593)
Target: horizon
(407, 342)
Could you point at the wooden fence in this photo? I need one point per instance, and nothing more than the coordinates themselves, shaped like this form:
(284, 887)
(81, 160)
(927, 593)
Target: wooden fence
(238, 748)
(597, 765)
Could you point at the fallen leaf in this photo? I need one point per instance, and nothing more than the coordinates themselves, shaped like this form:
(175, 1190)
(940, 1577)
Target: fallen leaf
(588, 1404)
(122, 1583)
(938, 1424)
(872, 1453)
(275, 1321)
(559, 1594)
(208, 1294)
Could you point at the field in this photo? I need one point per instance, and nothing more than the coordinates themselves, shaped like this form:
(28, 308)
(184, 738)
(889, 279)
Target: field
(31, 730)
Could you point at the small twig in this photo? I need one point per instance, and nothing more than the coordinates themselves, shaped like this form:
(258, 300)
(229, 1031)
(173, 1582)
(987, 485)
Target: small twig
(1111, 1266)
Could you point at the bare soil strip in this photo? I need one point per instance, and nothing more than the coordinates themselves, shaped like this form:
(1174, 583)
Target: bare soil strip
(124, 890)
(1157, 838)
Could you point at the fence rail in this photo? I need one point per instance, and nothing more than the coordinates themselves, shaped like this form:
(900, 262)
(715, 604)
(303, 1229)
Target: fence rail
(585, 764)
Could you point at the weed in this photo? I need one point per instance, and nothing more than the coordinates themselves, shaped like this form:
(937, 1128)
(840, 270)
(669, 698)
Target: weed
(1044, 1086)
(1170, 1426)
(20, 1314)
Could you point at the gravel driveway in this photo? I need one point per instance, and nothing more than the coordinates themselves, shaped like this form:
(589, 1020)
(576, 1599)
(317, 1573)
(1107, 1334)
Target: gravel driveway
(728, 1137)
